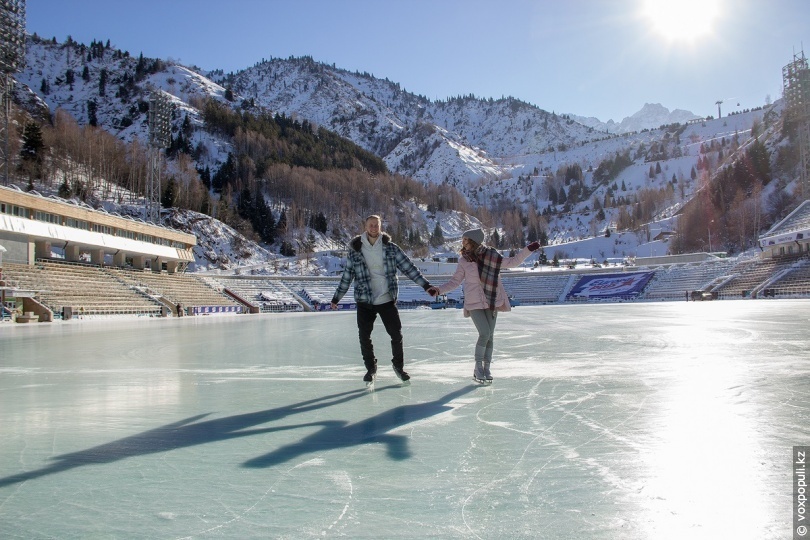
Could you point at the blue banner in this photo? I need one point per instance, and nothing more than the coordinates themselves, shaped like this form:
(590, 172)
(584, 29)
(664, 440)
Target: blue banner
(610, 285)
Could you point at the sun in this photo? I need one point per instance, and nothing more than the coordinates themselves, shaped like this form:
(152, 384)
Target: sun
(681, 20)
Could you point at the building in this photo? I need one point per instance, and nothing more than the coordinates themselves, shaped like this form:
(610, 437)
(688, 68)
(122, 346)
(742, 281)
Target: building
(33, 226)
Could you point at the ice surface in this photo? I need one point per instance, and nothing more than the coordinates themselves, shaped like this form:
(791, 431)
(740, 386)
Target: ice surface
(616, 421)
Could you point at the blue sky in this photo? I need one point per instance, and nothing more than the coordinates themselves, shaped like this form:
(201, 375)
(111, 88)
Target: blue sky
(602, 58)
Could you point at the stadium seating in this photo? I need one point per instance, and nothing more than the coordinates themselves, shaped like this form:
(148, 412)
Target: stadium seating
(185, 289)
(86, 289)
(270, 296)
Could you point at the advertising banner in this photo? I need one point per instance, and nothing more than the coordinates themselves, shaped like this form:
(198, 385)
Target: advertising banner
(610, 285)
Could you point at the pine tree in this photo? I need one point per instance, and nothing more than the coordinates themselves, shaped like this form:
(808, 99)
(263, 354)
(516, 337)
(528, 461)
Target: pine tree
(102, 83)
(169, 196)
(33, 144)
(437, 238)
(92, 107)
(263, 222)
(32, 151)
(281, 226)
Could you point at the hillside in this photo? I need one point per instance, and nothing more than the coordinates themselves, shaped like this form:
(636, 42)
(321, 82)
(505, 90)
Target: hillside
(524, 168)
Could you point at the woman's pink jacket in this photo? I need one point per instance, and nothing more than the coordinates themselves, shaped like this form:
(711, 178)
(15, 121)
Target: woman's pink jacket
(466, 274)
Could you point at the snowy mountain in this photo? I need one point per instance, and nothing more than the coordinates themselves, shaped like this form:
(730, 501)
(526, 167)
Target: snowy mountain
(651, 116)
(503, 152)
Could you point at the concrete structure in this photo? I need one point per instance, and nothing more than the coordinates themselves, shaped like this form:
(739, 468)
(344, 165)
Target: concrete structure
(789, 237)
(31, 226)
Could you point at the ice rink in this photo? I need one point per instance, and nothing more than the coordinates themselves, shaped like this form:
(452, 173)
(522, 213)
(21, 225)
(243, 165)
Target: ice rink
(613, 421)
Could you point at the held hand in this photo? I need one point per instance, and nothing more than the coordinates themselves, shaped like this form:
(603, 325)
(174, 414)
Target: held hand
(534, 246)
(433, 291)
(334, 305)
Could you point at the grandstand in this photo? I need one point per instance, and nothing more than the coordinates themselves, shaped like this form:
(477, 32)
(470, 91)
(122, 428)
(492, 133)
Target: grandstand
(670, 283)
(266, 295)
(794, 282)
(187, 290)
(84, 289)
(318, 292)
(536, 289)
(749, 277)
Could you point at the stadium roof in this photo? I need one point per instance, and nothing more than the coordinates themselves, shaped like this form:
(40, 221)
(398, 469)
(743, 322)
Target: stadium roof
(795, 226)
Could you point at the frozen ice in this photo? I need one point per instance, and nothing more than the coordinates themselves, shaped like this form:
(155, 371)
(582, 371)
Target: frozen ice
(613, 421)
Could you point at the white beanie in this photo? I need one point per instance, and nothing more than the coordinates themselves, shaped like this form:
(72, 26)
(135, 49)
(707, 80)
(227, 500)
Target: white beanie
(476, 235)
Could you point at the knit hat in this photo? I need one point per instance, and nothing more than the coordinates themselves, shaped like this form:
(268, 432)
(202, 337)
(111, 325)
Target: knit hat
(476, 235)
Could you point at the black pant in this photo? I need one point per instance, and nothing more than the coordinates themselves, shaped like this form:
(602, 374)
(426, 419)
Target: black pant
(366, 315)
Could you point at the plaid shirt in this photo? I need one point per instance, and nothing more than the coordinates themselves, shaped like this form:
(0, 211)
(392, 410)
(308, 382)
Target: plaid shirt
(356, 270)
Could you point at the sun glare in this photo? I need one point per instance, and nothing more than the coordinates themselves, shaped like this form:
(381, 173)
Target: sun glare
(681, 20)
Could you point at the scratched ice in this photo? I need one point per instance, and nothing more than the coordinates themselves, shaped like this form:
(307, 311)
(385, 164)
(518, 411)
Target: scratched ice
(616, 421)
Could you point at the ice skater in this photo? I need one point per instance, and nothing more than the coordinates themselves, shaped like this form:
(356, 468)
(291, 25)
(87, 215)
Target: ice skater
(478, 271)
(372, 263)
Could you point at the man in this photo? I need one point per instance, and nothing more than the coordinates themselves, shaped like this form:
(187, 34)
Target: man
(372, 263)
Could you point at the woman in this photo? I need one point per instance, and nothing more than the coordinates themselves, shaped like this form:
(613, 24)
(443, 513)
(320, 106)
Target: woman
(479, 271)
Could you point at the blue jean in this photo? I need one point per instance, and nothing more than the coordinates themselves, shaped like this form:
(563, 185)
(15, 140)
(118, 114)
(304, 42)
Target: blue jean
(484, 321)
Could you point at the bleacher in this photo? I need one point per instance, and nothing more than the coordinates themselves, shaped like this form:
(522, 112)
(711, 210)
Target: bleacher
(536, 288)
(747, 275)
(318, 293)
(412, 295)
(269, 296)
(93, 290)
(86, 289)
(186, 289)
(672, 283)
(794, 283)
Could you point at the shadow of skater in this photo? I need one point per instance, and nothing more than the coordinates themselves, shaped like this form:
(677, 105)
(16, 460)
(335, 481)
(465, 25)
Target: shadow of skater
(181, 434)
(338, 434)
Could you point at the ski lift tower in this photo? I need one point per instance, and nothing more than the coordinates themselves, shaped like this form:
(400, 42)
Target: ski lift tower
(796, 90)
(160, 115)
(12, 57)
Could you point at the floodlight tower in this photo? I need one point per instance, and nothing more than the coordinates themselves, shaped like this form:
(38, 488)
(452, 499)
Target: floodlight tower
(160, 115)
(12, 57)
(796, 90)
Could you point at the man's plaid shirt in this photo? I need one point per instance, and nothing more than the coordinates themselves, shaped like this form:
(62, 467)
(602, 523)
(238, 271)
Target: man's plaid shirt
(356, 270)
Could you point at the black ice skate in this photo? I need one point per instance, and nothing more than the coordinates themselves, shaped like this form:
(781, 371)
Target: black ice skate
(401, 374)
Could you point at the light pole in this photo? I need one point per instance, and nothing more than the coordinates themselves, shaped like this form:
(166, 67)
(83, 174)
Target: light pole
(160, 116)
(710, 235)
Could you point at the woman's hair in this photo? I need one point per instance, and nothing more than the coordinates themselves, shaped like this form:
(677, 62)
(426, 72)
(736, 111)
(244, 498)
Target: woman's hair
(473, 244)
